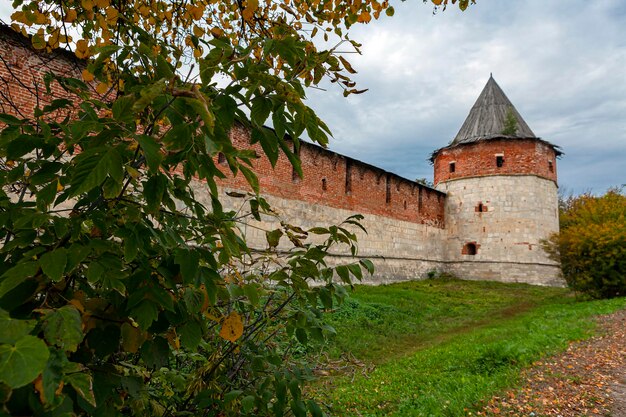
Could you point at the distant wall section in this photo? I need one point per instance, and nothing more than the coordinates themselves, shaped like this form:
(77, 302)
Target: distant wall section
(341, 182)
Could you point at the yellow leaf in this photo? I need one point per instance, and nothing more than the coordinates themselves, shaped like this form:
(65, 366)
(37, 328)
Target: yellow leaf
(232, 327)
(250, 9)
(76, 303)
(82, 49)
(198, 31)
(19, 17)
(102, 88)
(364, 17)
(87, 76)
(112, 15)
(347, 65)
(217, 32)
(437, 2)
(87, 4)
(196, 12)
(132, 338)
(40, 18)
(38, 41)
(70, 16)
(102, 3)
(173, 339)
(39, 389)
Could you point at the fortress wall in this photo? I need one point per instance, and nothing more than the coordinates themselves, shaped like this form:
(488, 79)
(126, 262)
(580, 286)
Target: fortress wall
(400, 250)
(340, 182)
(521, 156)
(505, 217)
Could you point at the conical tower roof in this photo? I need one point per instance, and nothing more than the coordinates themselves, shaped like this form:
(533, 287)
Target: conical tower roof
(492, 116)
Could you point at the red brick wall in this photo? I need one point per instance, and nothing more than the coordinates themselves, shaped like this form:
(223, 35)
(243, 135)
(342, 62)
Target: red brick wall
(372, 191)
(367, 194)
(22, 70)
(521, 156)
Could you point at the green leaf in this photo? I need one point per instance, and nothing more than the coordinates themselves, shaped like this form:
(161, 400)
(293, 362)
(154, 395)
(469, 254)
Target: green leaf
(153, 191)
(22, 362)
(301, 336)
(131, 248)
(92, 170)
(155, 353)
(356, 271)
(11, 330)
(299, 408)
(16, 275)
(190, 335)
(45, 196)
(148, 94)
(188, 260)
(232, 395)
(273, 237)
(368, 265)
(251, 177)
(152, 152)
(63, 328)
(145, 313)
(52, 376)
(178, 137)
(247, 403)
(203, 111)
(83, 384)
(123, 109)
(251, 291)
(344, 273)
(53, 263)
(315, 409)
(260, 110)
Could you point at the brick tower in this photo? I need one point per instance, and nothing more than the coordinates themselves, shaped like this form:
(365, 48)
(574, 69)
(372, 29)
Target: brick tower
(501, 187)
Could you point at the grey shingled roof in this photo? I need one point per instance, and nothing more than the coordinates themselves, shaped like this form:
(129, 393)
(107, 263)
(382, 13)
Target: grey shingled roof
(486, 119)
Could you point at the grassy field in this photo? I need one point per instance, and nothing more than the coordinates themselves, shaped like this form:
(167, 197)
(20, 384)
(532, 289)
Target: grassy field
(439, 347)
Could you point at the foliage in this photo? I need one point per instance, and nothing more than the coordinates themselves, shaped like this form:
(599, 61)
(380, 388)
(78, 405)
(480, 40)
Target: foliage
(510, 123)
(121, 290)
(425, 182)
(442, 346)
(591, 245)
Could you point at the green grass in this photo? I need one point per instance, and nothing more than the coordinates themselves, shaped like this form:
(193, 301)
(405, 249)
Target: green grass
(441, 346)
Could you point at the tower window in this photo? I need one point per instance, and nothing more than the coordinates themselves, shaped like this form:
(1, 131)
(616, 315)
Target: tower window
(550, 166)
(499, 160)
(452, 166)
(221, 158)
(324, 187)
(470, 248)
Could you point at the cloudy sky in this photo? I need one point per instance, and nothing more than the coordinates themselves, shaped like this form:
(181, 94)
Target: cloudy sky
(562, 63)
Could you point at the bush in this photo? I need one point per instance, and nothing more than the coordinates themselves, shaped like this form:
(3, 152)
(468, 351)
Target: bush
(592, 244)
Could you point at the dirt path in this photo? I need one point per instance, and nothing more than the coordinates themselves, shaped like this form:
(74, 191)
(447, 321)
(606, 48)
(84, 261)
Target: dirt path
(589, 379)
